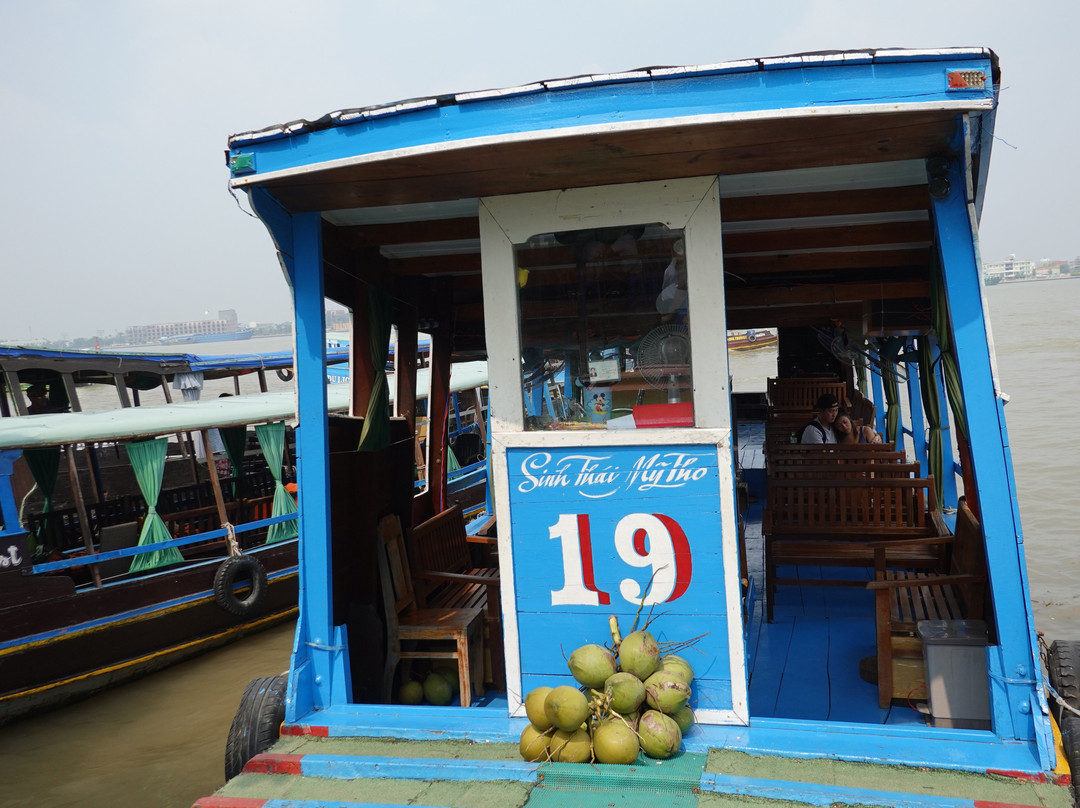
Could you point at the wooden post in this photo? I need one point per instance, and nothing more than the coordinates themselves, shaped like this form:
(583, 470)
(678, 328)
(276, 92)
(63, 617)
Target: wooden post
(262, 379)
(80, 507)
(16, 391)
(72, 394)
(439, 395)
(219, 499)
(121, 389)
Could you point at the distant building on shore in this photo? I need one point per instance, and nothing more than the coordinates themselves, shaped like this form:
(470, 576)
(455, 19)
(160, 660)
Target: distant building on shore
(224, 323)
(1014, 269)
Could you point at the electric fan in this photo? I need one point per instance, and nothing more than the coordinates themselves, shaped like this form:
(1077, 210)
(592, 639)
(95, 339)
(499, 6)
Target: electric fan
(663, 358)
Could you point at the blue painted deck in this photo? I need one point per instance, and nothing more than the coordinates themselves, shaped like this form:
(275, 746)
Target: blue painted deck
(805, 664)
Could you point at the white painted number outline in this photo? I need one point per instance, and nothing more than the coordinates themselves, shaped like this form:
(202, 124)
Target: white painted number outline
(644, 540)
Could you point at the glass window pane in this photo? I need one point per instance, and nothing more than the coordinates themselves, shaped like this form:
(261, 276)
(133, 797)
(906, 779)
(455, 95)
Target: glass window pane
(605, 335)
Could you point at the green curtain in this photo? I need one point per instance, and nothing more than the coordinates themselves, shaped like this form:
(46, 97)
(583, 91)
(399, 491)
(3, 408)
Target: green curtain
(148, 461)
(235, 440)
(376, 432)
(272, 442)
(944, 340)
(44, 464)
(928, 385)
(892, 398)
(860, 375)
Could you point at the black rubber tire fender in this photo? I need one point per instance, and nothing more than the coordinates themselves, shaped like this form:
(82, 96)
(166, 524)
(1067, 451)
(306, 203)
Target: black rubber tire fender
(1070, 742)
(1063, 665)
(285, 374)
(232, 570)
(257, 723)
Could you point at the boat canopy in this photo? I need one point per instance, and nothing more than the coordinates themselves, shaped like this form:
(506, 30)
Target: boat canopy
(133, 422)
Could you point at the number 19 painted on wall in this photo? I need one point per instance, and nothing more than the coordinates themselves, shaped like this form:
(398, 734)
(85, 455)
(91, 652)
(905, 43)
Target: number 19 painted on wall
(643, 540)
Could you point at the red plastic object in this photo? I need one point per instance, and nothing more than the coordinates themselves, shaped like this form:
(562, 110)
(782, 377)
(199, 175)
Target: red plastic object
(647, 416)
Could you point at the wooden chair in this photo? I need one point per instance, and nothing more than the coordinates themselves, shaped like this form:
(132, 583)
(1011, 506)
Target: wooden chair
(442, 567)
(903, 597)
(442, 633)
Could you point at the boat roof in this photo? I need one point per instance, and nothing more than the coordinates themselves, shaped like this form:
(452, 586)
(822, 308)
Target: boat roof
(35, 431)
(34, 364)
(822, 162)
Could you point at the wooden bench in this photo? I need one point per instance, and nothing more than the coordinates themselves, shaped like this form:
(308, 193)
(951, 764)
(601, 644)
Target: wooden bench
(446, 579)
(803, 394)
(835, 522)
(904, 596)
(843, 468)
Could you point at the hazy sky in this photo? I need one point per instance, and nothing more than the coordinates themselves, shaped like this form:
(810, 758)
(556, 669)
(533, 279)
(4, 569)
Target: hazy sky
(114, 116)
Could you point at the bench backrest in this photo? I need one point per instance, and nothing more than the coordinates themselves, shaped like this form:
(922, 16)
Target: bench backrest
(439, 544)
(840, 468)
(858, 507)
(969, 558)
(802, 394)
(835, 452)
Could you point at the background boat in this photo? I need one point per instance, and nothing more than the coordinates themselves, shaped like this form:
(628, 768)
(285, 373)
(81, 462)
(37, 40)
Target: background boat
(751, 339)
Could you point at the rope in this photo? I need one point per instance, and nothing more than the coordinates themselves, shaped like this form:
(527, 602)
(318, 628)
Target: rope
(1061, 701)
(234, 547)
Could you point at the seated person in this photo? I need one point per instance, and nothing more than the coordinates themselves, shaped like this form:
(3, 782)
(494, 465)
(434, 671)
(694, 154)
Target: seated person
(820, 429)
(847, 433)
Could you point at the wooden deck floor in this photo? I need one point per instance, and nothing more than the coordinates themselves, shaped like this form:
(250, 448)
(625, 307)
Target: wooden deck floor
(805, 664)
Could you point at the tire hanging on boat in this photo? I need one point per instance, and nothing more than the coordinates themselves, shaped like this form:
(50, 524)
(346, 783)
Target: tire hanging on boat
(232, 570)
(285, 374)
(257, 723)
(1063, 666)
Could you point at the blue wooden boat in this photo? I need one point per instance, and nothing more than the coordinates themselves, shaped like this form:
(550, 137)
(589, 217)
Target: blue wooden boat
(594, 239)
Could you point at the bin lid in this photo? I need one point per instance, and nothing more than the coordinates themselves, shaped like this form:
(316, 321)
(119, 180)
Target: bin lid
(952, 632)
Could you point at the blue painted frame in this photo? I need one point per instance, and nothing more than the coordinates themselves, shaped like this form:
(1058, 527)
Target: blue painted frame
(1016, 684)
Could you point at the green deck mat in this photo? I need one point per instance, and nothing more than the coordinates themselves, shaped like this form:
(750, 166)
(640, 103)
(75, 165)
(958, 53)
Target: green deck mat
(677, 776)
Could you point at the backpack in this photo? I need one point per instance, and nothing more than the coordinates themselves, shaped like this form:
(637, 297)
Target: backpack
(814, 423)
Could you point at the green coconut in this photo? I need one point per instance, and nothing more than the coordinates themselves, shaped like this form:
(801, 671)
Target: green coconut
(614, 742)
(449, 672)
(666, 692)
(639, 654)
(625, 690)
(591, 665)
(534, 744)
(437, 690)
(411, 693)
(566, 708)
(534, 707)
(684, 718)
(676, 664)
(660, 735)
(571, 747)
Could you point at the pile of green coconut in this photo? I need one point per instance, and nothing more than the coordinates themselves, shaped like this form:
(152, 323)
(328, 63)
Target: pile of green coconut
(632, 698)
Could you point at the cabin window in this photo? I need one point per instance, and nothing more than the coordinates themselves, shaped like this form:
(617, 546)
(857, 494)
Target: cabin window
(605, 333)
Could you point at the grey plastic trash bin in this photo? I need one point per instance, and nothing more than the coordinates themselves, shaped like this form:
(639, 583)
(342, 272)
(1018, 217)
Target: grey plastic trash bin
(959, 688)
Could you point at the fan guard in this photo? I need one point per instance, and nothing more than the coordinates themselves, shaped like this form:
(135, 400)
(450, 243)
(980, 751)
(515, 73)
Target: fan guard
(663, 358)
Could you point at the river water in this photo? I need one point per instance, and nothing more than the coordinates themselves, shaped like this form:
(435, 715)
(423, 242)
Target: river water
(161, 740)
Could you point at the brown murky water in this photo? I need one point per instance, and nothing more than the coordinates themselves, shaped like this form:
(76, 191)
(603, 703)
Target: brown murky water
(161, 741)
